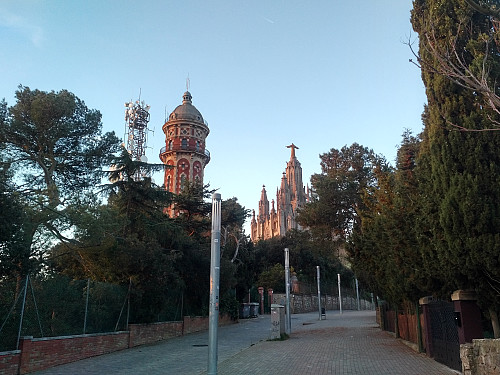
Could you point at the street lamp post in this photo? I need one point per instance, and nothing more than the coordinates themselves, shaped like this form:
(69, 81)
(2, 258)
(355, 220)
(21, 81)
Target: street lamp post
(213, 315)
(288, 325)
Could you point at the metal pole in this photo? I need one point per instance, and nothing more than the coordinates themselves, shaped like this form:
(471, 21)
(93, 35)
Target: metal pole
(36, 308)
(213, 315)
(86, 308)
(22, 312)
(128, 301)
(288, 326)
(319, 292)
(357, 294)
(340, 294)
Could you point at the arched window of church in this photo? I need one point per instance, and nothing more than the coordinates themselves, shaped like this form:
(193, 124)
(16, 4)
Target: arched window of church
(169, 181)
(170, 145)
(184, 144)
(197, 145)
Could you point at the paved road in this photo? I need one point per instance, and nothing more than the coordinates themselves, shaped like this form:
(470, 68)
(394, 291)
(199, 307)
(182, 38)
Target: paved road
(350, 343)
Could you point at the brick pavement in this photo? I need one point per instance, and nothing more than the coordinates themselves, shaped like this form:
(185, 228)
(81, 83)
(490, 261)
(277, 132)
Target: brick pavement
(350, 343)
(343, 344)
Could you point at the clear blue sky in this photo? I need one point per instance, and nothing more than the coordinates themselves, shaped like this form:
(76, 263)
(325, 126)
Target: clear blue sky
(263, 73)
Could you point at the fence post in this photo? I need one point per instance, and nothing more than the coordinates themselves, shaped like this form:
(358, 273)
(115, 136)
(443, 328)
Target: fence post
(424, 302)
(340, 294)
(357, 295)
(419, 329)
(86, 308)
(396, 322)
(22, 312)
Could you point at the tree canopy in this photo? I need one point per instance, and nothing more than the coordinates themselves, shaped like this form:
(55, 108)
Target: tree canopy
(54, 149)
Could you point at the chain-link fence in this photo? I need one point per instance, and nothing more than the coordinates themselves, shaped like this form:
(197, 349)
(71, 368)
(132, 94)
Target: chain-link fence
(59, 306)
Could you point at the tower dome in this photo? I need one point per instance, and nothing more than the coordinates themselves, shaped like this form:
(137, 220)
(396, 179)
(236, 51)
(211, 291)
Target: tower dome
(186, 111)
(184, 151)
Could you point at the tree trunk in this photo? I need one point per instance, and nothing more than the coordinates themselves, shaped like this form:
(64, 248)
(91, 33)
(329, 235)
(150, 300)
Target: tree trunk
(494, 323)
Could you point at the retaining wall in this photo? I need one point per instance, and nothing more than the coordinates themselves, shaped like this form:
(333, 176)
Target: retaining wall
(141, 334)
(9, 362)
(36, 354)
(41, 353)
(302, 303)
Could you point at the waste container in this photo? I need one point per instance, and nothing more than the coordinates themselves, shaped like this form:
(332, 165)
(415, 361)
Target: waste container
(323, 313)
(254, 309)
(277, 321)
(245, 311)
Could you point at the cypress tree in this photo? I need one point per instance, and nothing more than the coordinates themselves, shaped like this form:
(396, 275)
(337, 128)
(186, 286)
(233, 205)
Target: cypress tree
(459, 167)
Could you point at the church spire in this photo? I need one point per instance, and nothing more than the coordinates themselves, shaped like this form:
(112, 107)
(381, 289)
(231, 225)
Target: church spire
(263, 204)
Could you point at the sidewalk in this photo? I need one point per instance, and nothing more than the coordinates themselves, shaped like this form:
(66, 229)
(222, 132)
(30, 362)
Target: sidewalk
(350, 343)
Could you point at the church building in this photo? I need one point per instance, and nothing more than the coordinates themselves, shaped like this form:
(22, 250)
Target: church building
(289, 197)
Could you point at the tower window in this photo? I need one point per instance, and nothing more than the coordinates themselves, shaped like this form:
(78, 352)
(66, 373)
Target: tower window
(184, 144)
(183, 181)
(197, 145)
(170, 145)
(168, 183)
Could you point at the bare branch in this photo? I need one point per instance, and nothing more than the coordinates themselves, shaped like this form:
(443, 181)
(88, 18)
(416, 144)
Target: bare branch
(450, 61)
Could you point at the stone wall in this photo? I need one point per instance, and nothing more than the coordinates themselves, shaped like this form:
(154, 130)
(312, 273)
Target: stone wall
(302, 303)
(482, 357)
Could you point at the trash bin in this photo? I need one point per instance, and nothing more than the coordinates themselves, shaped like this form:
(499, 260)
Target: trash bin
(254, 309)
(245, 311)
(277, 321)
(323, 313)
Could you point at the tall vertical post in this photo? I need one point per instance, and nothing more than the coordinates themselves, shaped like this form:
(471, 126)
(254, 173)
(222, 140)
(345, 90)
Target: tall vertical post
(287, 286)
(357, 294)
(340, 295)
(319, 292)
(22, 312)
(87, 309)
(213, 314)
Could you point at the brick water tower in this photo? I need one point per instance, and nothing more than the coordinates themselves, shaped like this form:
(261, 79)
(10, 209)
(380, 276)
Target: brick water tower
(184, 150)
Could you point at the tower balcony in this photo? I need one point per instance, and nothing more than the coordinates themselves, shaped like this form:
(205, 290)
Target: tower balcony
(164, 151)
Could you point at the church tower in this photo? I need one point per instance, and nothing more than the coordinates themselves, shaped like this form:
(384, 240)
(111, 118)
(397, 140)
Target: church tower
(184, 150)
(289, 198)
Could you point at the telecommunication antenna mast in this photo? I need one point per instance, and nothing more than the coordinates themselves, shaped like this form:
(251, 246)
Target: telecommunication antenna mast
(136, 129)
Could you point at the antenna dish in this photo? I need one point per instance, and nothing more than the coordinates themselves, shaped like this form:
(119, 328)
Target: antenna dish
(144, 159)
